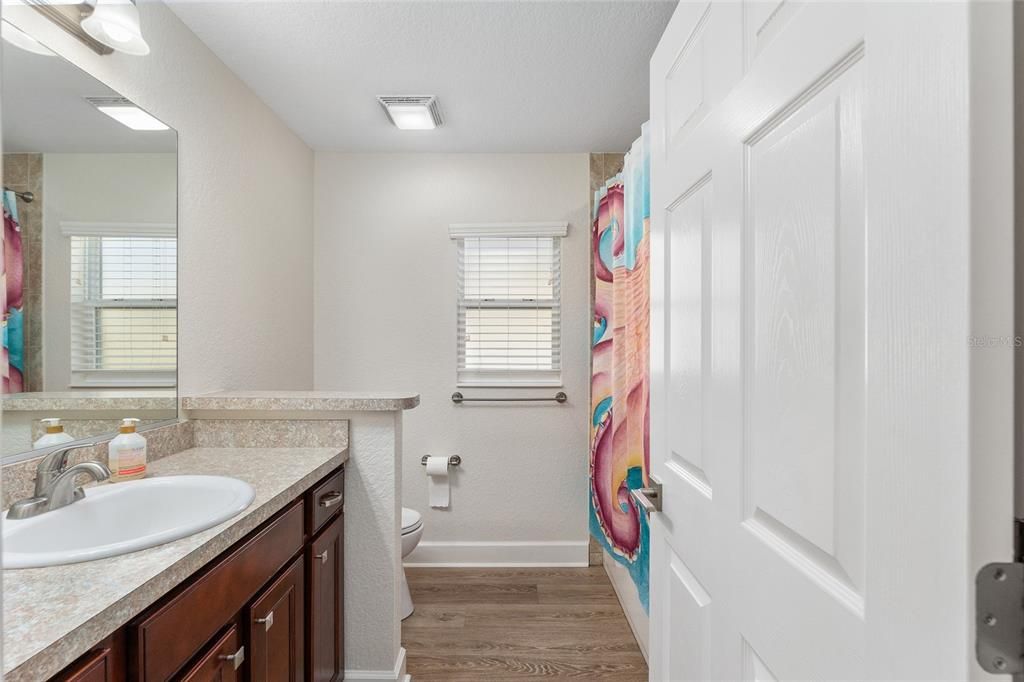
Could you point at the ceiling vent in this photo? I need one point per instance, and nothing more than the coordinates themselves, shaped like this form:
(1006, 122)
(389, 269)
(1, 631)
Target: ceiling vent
(109, 102)
(412, 112)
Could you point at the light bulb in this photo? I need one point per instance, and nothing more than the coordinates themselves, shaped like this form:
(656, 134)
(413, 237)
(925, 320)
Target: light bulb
(117, 33)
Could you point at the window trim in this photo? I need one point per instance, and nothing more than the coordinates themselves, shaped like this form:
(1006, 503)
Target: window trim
(74, 228)
(483, 230)
(122, 378)
(525, 378)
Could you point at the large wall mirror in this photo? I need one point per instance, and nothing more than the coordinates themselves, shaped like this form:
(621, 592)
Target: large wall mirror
(89, 257)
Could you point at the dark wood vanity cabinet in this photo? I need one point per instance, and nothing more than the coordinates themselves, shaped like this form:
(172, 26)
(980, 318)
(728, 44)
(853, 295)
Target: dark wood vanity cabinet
(325, 558)
(276, 624)
(96, 668)
(104, 663)
(269, 609)
(221, 662)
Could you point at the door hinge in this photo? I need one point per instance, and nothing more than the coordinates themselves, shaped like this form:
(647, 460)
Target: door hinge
(999, 618)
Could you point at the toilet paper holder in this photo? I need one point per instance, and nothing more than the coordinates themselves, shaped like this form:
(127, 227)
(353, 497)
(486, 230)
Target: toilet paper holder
(453, 461)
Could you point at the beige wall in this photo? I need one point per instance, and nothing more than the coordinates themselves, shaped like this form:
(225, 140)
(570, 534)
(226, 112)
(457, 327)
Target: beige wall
(386, 316)
(245, 232)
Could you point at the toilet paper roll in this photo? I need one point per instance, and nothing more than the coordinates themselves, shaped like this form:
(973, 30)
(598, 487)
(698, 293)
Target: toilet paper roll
(438, 488)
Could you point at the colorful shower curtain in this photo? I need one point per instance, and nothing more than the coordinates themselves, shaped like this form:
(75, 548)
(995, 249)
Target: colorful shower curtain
(12, 366)
(620, 405)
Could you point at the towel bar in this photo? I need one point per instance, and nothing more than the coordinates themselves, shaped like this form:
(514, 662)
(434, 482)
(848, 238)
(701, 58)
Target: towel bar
(458, 398)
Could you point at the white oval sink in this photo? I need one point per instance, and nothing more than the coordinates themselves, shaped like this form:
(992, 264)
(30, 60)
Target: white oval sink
(123, 517)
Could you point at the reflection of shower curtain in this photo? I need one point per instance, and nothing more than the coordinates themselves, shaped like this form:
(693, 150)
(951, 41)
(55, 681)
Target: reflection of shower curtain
(619, 453)
(13, 366)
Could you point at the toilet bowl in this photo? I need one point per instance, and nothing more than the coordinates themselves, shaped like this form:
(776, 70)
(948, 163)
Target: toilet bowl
(412, 531)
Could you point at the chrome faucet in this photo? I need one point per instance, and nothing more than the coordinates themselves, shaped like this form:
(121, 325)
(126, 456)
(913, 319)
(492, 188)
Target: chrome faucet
(55, 483)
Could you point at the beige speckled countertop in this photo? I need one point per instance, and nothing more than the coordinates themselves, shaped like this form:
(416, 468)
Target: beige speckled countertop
(85, 401)
(53, 615)
(314, 401)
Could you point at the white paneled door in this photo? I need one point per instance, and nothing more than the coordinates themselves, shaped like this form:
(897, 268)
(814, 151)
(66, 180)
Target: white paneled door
(832, 336)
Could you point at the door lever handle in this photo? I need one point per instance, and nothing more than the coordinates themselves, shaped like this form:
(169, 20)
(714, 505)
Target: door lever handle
(649, 499)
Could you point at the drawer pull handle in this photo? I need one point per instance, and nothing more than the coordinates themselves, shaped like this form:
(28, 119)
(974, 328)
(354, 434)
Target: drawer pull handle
(236, 658)
(322, 556)
(330, 499)
(268, 622)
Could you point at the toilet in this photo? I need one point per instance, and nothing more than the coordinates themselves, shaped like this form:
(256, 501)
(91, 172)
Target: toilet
(412, 531)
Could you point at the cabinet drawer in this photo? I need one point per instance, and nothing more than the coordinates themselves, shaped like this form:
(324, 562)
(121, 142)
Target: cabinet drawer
(96, 666)
(167, 638)
(105, 663)
(325, 500)
(222, 662)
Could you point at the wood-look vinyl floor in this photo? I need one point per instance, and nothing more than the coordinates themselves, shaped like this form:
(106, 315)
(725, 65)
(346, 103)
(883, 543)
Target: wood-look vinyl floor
(497, 625)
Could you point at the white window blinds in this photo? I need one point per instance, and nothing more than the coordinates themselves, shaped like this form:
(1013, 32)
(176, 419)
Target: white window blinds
(509, 316)
(123, 309)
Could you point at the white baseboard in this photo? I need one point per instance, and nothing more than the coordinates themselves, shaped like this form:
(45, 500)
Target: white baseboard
(499, 554)
(395, 675)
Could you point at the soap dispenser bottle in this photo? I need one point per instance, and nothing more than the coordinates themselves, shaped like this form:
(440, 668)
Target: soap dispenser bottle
(126, 454)
(54, 434)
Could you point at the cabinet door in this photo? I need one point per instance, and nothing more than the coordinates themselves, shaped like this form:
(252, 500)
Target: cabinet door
(325, 638)
(276, 621)
(222, 662)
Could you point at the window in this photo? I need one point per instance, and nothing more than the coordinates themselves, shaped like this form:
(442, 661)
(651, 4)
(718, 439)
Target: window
(123, 305)
(509, 317)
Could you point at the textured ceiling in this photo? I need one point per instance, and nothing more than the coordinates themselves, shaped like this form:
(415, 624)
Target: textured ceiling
(511, 76)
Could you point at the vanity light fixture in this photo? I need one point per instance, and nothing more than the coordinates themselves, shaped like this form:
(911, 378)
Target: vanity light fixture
(412, 112)
(115, 23)
(15, 36)
(124, 112)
